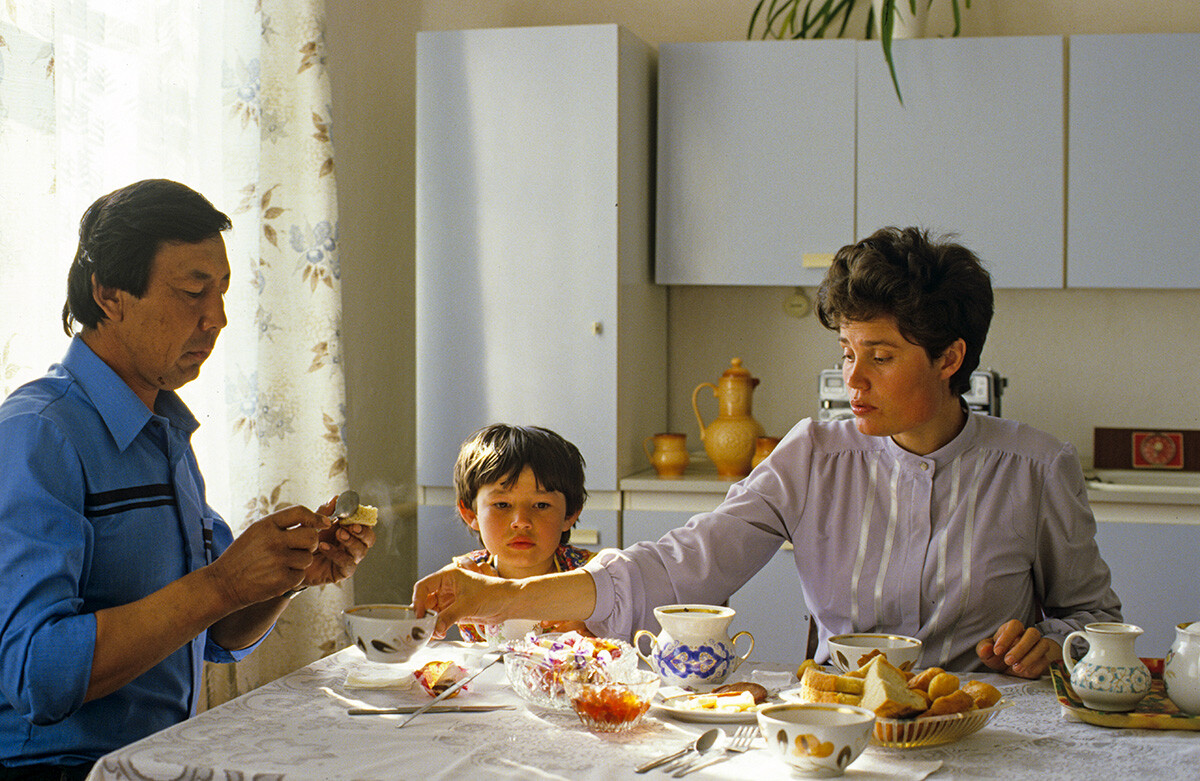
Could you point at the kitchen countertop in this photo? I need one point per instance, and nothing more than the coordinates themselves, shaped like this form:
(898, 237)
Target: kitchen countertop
(1115, 495)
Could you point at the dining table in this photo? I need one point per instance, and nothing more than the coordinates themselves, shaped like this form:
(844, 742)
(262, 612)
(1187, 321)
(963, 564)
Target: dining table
(299, 727)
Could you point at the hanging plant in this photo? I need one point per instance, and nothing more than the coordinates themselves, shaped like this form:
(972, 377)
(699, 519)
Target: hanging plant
(790, 19)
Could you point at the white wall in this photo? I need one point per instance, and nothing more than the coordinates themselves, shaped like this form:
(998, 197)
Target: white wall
(1074, 359)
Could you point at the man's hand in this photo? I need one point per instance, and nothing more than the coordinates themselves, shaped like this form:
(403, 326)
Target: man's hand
(270, 557)
(339, 550)
(1017, 650)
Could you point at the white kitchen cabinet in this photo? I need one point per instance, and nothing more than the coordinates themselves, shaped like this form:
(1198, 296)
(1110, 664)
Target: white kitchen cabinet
(975, 149)
(534, 298)
(1133, 161)
(755, 160)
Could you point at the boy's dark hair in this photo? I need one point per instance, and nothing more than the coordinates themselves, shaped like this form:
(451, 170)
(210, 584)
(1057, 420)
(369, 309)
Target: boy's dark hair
(936, 291)
(499, 453)
(120, 234)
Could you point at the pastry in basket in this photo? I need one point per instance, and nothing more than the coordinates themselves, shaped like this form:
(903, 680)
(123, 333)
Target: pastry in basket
(894, 694)
(984, 694)
(436, 677)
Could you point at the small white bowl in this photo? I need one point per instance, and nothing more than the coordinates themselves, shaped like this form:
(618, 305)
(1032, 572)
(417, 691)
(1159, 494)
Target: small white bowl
(849, 652)
(816, 739)
(388, 633)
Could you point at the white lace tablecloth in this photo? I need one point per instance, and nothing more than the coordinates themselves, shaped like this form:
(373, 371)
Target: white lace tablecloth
(297, 728)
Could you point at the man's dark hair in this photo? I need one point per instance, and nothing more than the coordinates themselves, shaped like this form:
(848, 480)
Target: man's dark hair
(499, 453)
(937, 291)
(120, 234)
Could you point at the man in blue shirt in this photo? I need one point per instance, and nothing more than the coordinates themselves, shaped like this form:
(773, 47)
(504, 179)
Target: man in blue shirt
(119, 579)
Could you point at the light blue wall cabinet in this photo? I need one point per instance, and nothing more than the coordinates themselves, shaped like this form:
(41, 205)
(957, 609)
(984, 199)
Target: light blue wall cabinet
(1153, 572)
(976, 148)
(755, 160)
(1134, 161)
(534, 298)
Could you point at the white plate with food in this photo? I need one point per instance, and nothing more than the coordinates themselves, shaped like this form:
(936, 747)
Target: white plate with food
(739, 706)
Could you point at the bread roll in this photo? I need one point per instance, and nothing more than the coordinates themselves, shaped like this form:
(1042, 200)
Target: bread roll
(984, 694)
(922, 681)
(956, 701)
(942, 684)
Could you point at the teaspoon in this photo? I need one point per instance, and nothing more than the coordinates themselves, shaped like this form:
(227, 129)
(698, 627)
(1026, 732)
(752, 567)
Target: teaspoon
(702, 744)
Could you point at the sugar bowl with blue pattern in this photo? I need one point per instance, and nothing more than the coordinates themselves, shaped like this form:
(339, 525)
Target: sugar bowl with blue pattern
(694, 649)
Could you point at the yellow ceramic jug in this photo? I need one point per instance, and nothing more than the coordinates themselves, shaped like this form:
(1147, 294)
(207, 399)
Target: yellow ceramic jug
(729, 439)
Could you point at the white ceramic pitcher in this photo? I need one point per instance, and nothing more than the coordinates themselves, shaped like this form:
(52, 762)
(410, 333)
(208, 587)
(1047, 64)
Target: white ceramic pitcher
(694, 649)
(1110, 676)
(1181, 672)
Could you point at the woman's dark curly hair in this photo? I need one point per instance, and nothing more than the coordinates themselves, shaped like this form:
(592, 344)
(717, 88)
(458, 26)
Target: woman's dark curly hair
(120, 234)
(937, 291)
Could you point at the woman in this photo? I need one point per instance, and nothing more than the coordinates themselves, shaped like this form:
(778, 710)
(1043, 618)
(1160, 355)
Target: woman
(916, 517)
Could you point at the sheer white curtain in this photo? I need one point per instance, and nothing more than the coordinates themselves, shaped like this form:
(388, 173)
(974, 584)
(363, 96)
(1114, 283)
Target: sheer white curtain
(232, 98)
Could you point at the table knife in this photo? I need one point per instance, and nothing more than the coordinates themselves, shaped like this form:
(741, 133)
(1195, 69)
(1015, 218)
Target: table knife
(448, 692)
(405, 709)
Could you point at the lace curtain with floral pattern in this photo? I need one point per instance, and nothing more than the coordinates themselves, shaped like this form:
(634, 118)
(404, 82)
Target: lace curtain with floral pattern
(232, 98)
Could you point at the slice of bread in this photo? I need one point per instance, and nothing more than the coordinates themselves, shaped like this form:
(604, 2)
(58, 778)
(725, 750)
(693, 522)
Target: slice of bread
(885, 691)
(837, 698)
(365, 515)
(818, 680)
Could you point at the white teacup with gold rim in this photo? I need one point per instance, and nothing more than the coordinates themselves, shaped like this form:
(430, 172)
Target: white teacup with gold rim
(694, 649)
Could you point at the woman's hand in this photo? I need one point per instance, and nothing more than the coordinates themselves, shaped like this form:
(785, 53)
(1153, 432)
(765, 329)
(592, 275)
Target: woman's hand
(460, 595)
(1017, 650)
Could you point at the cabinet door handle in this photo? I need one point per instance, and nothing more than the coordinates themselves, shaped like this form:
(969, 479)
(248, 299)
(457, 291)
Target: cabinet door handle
(585, 536)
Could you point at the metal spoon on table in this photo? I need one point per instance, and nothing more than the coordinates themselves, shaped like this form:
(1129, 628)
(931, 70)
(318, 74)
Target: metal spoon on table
(701, 744)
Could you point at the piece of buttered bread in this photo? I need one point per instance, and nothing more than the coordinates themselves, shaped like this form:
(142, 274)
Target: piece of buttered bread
(365, 515)
(885, 691)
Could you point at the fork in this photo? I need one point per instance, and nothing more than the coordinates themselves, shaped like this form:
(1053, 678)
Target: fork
(738, 744)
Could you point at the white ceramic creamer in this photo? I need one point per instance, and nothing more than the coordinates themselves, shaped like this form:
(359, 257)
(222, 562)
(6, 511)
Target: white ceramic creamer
(1181, 671)
(1110, 676)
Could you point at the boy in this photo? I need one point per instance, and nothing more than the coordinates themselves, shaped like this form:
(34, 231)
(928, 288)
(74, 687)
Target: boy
(521, 488)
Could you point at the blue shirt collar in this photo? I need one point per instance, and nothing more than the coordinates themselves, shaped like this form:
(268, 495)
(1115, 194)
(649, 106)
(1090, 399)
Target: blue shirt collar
(122, 411)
